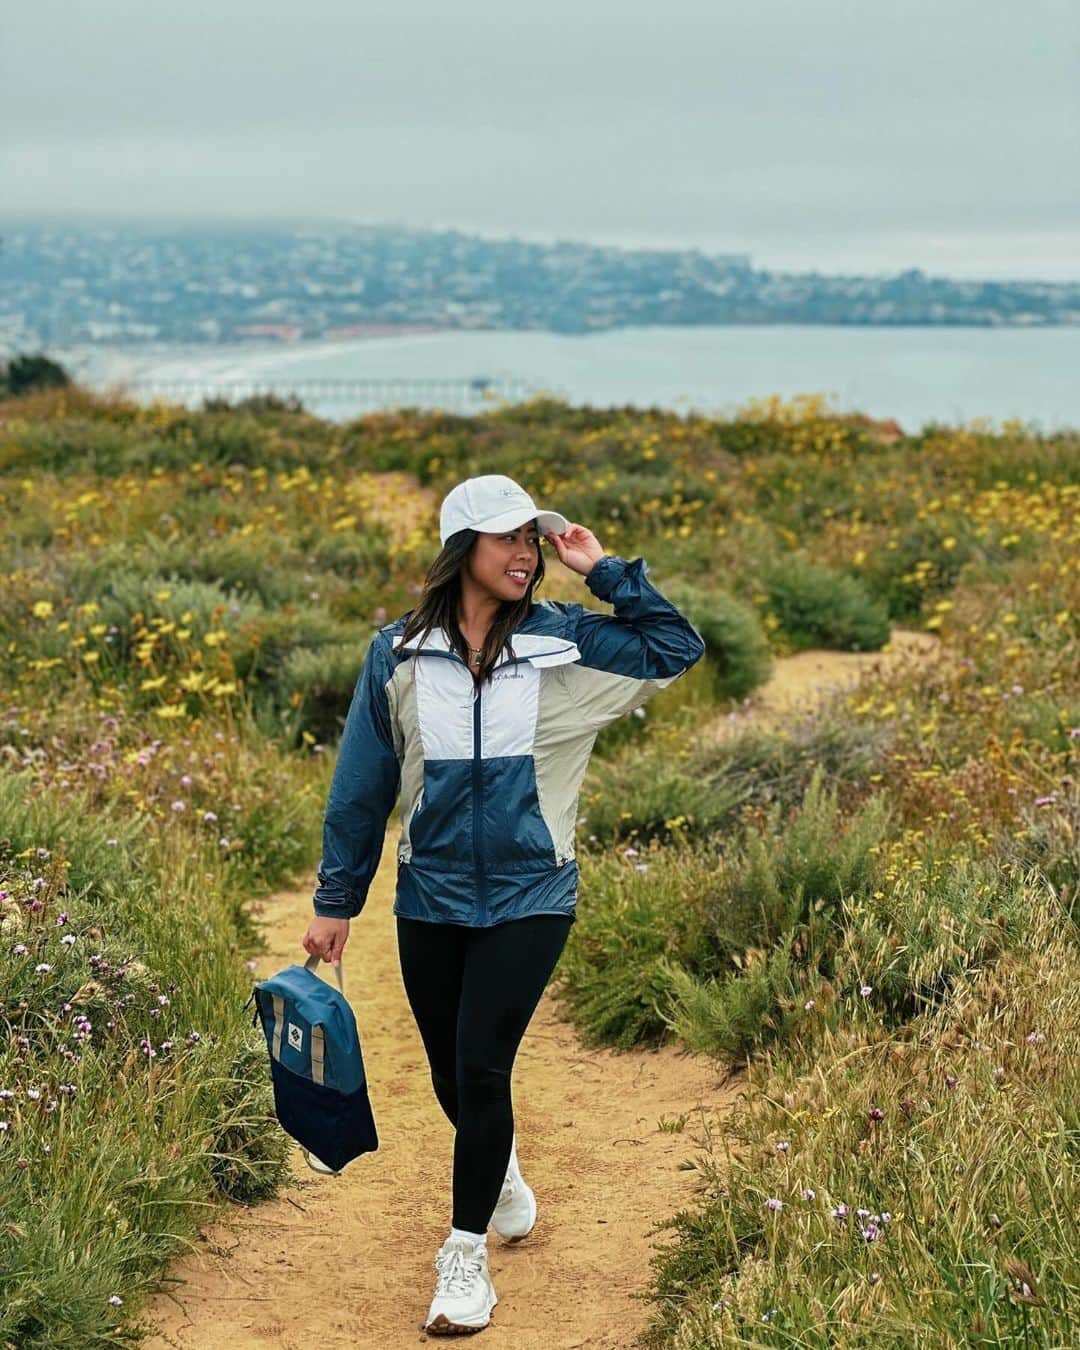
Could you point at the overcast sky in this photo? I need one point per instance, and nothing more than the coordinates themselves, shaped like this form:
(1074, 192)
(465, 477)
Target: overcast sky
(846, 135)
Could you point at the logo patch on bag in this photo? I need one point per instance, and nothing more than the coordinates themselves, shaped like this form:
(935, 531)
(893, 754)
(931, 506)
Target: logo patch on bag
(296, 1036)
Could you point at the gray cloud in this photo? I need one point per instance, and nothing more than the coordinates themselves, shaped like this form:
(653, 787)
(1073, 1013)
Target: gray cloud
(942, 133)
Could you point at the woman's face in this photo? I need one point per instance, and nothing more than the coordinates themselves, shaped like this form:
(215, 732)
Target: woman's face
(495, 556)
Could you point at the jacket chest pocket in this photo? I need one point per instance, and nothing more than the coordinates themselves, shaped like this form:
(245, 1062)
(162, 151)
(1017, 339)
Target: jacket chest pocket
(508, 711)
(457, 722)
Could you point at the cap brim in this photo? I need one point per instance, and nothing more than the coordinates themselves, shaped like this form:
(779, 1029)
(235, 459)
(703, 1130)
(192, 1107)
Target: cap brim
(546, 521)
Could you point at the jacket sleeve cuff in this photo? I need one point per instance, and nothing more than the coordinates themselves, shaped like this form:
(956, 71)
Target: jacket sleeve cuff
(336, 904)
(606, 573)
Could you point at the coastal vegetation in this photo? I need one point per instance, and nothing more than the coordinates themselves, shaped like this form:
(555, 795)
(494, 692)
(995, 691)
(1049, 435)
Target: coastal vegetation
(869, 913)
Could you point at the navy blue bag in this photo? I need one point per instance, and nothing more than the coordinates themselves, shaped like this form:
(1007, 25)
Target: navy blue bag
(320, 1089)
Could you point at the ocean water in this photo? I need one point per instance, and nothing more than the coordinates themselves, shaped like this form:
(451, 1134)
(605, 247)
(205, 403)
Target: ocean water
(915, 375)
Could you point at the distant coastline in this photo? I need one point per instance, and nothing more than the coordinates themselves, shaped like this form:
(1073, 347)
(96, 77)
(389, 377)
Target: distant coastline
(132, 286)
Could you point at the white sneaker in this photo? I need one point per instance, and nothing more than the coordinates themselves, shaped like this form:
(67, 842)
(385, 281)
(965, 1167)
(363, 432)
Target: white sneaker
(317, 1164)
(464, 1294)
(515, 1213)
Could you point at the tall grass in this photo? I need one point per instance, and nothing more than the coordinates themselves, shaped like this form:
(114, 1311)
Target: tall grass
(916, 1191)
(134, 1098)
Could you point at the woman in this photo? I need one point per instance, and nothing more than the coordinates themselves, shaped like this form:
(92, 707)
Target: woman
(480, 708)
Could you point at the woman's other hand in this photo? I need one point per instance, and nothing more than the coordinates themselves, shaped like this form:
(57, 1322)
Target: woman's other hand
(326, 938)
(578, 548)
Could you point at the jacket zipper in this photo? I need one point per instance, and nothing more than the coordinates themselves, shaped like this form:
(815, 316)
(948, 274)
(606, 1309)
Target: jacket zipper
(477, 848)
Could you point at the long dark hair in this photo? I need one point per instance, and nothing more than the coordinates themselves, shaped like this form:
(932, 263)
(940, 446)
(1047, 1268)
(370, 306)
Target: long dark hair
(441, 596)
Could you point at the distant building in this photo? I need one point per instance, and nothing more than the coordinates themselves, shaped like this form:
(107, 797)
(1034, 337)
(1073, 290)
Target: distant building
(287, 332)
(381, 329)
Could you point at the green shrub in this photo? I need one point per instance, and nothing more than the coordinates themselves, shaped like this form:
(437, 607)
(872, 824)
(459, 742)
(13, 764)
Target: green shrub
(736, 648)
(611, 976)
(705, 784)
(774, 922)
(818, 607)
(683, 943)
(919, 565)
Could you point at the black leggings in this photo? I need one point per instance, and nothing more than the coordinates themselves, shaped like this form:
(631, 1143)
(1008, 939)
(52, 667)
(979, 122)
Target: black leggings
(472, 992)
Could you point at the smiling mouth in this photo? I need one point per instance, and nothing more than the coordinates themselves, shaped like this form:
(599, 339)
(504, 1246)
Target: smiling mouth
(519, 574)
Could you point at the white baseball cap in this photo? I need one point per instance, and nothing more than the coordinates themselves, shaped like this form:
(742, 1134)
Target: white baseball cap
(493, 503)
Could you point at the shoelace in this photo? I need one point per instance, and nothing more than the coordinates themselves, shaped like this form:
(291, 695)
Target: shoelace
(457, 1269)
(507, 1191)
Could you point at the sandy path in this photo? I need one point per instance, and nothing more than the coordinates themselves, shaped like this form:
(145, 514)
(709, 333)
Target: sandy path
(799, 682)
(347, 1261)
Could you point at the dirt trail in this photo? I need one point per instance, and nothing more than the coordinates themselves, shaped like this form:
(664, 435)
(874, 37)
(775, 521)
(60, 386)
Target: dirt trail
(348, 1261)
(799, 682)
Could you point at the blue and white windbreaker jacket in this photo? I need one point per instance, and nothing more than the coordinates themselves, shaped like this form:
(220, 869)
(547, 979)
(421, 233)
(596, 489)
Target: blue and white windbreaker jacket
(489, 777)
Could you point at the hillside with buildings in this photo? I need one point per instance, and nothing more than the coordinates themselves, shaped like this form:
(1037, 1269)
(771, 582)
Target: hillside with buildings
(120, 285)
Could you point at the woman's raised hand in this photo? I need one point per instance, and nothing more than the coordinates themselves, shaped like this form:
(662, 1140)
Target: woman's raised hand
(326, 938)
(578, 548)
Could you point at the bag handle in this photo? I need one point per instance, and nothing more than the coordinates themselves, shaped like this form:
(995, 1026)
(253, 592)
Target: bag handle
(314, 960)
